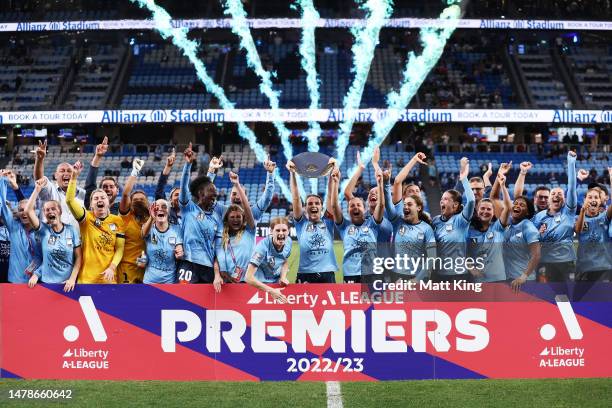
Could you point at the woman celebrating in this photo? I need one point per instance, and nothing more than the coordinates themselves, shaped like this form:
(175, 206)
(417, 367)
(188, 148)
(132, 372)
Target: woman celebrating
(164, 244)
(61, 243)
(486, 237)
(270, 261)
(134, 211)
(592, 227)
(451, 229)
(359, 234)
(413, 236)
(235, 246)
(556, 226)
(101, 234)
(521, 238)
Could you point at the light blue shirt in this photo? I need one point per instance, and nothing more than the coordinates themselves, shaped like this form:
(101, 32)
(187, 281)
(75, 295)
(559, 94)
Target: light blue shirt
(413, 240)
(517, 238)
(199, 229)
(57, 252)
(161, 262)
(488, 245)
(593, 253)
(269, 261)
(234, 259)
(25, 247)
(359, 245)
(316, 242)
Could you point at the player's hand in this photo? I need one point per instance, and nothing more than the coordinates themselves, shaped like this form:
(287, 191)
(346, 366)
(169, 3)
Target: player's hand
(179, 252)
(40, 184)
(571, 154)
(137, 165)
(234, 179)
(277, 295)
(386, 173)
(543, 229)
(109, 274)
(171, 158)
(102, 148)
(335, 175)
(501, 179)
(284, 282)
(504, 168)
(359, 162)
(464, 167)
(33, 280)
(291, 166)
(518, 282)
(215, 164)
(582, 174)
(41, 150)
(69, 285)
(487, 174)
(269, 165)
(420, 158)
(376, 155)
(77, 168)
(217, 283)
(525, 167)
(379, 177)
(189, 154)
(153, 211)
(11, 177)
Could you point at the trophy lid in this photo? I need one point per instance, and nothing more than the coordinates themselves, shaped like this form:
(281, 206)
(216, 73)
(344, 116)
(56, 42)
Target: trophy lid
(312, 164)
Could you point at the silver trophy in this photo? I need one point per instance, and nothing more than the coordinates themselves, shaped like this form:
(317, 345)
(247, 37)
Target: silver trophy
(312, 164)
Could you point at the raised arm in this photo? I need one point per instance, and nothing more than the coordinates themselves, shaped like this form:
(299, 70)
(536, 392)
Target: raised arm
(189, 155)
(379, 211)
(486, 177)
(30, 210)
(468, 208)
(124, 204)
(507, 203)
(401, 176)
(572, 195)
(580, 221)
(248, 212)
(264, 201)
(519, 185)
(296, 201)
(215, 164)
(146, 227)
(163, 177)
(503, 170)
(77, 210)
(333, 204)
(92, 173)
(39, 160)
(352, 183)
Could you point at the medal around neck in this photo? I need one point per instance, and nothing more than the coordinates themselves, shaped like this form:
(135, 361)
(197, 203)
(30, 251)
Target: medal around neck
(312, 164)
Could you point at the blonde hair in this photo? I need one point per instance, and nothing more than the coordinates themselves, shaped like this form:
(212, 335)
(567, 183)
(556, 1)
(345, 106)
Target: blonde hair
(279, 220)
(225, 238)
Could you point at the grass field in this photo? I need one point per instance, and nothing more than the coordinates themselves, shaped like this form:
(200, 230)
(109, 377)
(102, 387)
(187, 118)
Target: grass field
(294, 260)
(590, 393)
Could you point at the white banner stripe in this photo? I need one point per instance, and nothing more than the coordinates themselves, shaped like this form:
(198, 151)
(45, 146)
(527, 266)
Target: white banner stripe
(186, 116)
(93, 318)
(408, 22)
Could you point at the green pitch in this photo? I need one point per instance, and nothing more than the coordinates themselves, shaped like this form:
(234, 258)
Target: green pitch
(591, 393)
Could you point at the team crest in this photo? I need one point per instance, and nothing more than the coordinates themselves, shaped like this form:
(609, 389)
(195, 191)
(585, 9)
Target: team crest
(557, 219)
(310, 228)
(351, 230)
(52, 240)
(402, 230)
(112, 227)
(365, 229)
(585, 227)
(172, 240)
(489, 235)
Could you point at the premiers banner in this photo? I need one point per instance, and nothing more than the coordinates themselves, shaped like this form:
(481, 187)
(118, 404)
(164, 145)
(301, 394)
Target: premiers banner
(325, 332)
(186, 116)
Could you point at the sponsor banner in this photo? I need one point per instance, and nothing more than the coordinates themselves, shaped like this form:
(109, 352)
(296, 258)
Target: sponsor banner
(324, 332)
(495, 24)
(187, 116)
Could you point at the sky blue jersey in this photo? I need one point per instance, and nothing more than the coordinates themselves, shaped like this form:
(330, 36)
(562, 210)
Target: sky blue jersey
(161, 262)
(316, 242)
(413, 240)
(359, 243)
(488, 245)
(593, 251)
(57, 252)
(234, 259)
(269, 261)
(517, 238)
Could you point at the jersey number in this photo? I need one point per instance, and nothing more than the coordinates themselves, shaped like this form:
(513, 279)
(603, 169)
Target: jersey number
(184, 275)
